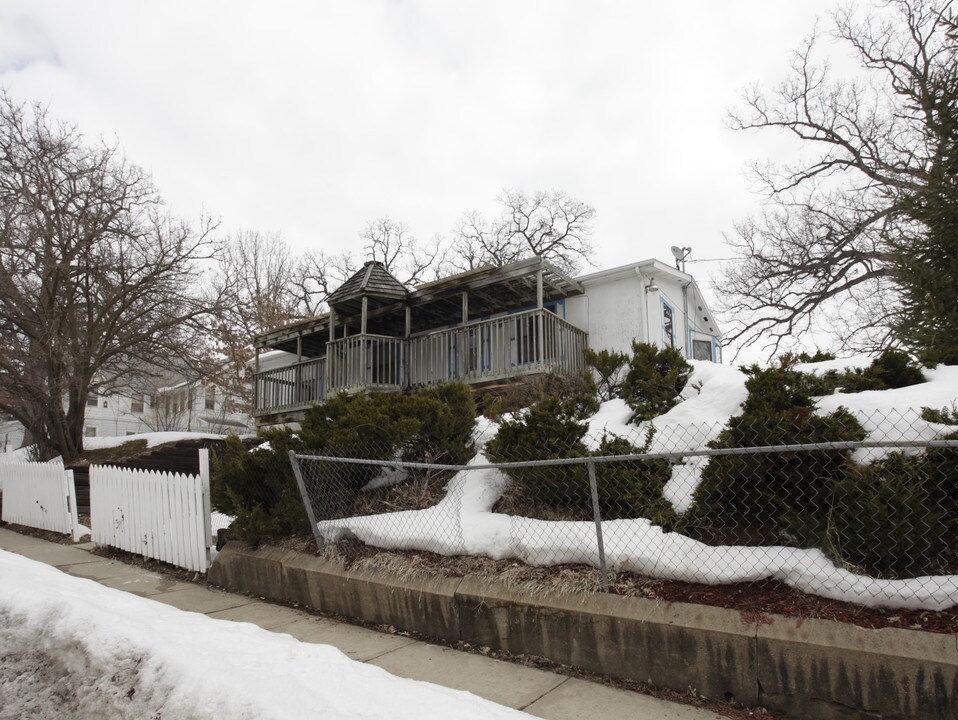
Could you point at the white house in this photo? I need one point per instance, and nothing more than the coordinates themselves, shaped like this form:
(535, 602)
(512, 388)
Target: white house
(647, 301)
(482, 327)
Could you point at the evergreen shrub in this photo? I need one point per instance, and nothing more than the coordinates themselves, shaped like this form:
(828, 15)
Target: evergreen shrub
(608, 367)
(427, 425)
(555, 428)
(258, 487)
(655, 379)
(892, 369)
(885, 519)
(783, 493)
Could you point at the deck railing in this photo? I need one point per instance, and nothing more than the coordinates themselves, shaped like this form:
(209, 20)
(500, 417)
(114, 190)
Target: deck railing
(289, 388)
(369, 362)
(533, 341)
(528, 342)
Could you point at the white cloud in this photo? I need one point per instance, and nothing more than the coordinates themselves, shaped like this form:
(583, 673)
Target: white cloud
(309, 119)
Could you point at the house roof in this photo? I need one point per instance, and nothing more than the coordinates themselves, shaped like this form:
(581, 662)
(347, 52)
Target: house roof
(700, 314)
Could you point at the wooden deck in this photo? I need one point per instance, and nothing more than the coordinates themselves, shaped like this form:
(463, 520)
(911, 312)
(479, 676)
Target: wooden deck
(476, 353)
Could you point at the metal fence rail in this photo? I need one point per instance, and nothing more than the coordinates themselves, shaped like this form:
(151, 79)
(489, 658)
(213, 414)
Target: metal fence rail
(873, 521)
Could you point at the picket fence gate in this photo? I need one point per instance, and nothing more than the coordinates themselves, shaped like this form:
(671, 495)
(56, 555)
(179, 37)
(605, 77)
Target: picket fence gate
(40, 495)
(164, 516)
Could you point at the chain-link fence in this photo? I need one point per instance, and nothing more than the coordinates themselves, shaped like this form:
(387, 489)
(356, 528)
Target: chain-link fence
(858, 507)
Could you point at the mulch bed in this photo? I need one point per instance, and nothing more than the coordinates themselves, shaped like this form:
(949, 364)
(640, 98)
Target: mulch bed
(756, 601)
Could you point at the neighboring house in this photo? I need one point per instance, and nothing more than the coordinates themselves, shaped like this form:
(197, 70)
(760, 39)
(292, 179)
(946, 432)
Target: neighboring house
(11, 434)
(193, 406)
(186, 406)
(483, 327)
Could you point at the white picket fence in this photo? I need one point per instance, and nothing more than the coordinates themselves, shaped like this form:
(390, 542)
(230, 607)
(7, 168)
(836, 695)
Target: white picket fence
(40, 495)
(164, 516)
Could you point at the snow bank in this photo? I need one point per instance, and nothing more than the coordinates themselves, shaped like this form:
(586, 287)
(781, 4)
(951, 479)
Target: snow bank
(122, 656)
(712, 395)
(152, 439)
(463, 524)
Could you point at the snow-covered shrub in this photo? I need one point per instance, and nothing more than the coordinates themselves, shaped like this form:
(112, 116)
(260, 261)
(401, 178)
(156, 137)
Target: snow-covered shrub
(655, 380)
(892, 369)
(777, 495)
(554, 428)
(608, 367)
(943, 416)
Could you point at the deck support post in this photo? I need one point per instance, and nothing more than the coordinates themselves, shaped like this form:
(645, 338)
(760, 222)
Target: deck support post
(540, 319)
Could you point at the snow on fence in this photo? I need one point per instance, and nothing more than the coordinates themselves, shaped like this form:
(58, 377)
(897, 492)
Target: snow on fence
(40, 495)
(164, 516)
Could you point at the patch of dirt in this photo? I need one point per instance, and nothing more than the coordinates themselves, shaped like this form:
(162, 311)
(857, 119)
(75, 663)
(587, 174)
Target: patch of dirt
(178, 573)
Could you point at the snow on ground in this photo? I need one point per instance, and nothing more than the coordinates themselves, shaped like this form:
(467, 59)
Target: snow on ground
(15, 456)
(895, 415)
(840, 364)
(74, 648)
(712, 395)
(152, 439)
(463, 522)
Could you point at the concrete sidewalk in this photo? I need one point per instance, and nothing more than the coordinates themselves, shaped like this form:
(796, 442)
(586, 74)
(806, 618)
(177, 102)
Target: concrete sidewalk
(538, 692)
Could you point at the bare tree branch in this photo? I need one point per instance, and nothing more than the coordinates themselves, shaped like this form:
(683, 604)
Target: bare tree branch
(838, 220)
(97, 283)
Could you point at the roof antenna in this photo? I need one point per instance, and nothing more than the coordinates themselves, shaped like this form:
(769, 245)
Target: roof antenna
(681, 255)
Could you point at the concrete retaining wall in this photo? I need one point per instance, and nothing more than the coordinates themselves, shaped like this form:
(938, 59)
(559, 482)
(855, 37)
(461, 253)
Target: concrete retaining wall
(811, 669)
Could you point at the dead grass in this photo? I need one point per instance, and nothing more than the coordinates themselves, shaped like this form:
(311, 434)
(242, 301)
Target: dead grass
(125, 451)
(419, 492)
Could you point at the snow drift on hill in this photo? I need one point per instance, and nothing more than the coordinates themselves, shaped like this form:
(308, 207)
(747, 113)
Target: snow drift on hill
(463, 522)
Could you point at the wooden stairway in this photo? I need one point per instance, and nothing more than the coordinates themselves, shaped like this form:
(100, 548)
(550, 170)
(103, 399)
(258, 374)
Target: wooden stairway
(180, 457)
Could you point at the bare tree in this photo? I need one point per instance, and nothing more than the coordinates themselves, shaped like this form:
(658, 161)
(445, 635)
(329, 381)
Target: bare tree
(551, 225)
(256, 278)
(97, 282)
(477, 242)
(316, 275)
(841, 220)
(411, 261)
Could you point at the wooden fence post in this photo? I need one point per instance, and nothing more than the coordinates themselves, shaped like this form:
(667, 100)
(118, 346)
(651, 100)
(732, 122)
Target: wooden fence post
(71, 490)
(207, 507)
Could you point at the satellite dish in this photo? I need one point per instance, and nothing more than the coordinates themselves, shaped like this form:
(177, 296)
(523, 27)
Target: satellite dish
(678, 252)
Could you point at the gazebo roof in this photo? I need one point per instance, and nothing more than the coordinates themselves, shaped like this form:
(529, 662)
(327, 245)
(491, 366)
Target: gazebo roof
(375, 282)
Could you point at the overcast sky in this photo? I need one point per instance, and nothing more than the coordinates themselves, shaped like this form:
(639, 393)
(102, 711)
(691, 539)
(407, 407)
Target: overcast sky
(311, 118)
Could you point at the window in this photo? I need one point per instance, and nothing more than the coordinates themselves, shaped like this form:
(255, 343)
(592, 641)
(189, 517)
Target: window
(210, 398)
(89, 431)
(668, 325)
(136, 404)
(701, 349)
(92, 401)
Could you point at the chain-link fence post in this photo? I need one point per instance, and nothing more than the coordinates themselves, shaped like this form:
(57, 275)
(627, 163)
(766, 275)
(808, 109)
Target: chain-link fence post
(603, 570)
(320, 542)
